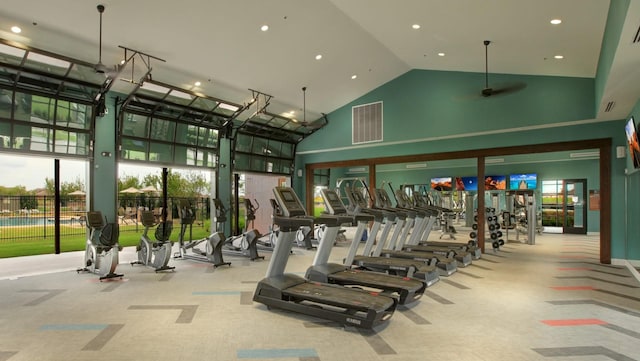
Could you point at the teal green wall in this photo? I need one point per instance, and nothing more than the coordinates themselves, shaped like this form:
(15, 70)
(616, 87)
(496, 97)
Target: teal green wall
(225, 180)
(104, 180)
(430, 112)
(613, 30)
(424, 104)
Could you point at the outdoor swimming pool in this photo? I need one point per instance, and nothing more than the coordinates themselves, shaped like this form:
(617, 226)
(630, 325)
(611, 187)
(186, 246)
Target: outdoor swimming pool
(32, 221)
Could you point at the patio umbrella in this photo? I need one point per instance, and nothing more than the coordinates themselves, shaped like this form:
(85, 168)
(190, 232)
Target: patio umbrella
(77, 193)
(131, 190)
(149, 189)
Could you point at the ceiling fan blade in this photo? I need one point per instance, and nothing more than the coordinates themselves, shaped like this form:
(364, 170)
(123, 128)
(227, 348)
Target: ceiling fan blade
(493, 91)
(503, 89)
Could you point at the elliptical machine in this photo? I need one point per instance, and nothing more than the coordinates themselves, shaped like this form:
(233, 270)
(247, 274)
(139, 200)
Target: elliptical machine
(213, 244)
(267, 242)
(155, 254)
(244, 244)
(101, 250)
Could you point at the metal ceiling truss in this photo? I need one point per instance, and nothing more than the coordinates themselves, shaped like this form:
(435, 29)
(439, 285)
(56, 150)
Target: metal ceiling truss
(35, 71)
(156, 99)
(265, 124)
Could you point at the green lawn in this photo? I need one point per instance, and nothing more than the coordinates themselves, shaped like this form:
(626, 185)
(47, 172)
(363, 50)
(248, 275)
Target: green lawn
(128, 237)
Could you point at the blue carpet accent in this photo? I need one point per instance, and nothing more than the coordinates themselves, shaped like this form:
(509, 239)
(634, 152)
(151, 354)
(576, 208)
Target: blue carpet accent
(277, 353)
(73, 327)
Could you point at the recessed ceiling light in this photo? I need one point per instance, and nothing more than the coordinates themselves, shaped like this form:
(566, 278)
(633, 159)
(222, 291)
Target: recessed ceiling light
(416, 26)
(555, 21)
(354, 76)
(319, 56)
(16, 29)
(122, 62)
(559, 56)
(197, 83)
(440, 54)
(264, 27)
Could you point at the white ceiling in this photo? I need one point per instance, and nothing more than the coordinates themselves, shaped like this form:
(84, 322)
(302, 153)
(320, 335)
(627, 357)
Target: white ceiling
(219, 42)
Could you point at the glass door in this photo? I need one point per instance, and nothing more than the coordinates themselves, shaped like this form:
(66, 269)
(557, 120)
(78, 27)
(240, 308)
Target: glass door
(575, 210)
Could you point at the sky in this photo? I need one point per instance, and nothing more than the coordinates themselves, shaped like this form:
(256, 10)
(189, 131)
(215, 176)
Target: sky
(31, 172)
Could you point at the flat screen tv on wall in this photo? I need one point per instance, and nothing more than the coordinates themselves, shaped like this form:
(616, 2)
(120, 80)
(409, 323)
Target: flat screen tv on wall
(441, 184)
(466, 183)
(495, 182)
(632, 140)
(523, 181)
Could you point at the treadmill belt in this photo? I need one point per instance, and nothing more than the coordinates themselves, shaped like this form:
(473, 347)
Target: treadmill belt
(391, 263)
(416, 255)
(376, 279)
(339, 296)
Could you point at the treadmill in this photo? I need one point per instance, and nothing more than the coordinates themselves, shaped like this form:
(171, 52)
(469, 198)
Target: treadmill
(347, 306)
(446, 264)
(407, 289)
(422, 224)
(395, 266)
(471, 246)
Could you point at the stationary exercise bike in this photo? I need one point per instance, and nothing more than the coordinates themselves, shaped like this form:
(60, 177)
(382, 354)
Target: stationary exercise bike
(155, 254)
(101, 250)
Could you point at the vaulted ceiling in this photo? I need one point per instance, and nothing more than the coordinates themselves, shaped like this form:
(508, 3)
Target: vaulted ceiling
(363, 43)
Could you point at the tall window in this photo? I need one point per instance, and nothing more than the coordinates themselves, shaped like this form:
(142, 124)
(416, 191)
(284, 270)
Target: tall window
(263, 155)
(552, 203)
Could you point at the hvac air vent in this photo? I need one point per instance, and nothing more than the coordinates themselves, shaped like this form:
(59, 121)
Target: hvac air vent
(609, 107)
(366, 122)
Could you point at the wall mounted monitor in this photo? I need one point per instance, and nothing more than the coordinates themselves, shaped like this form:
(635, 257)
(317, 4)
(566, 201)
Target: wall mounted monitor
(632, 141)
(495, 182)
(523, 181)
(466, 183)
(441, 184)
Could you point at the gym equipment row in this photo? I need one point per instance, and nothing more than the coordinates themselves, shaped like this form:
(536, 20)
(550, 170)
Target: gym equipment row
(345, 305)
(406, 218)
(364, 290)
(423, 224)
(369, 260)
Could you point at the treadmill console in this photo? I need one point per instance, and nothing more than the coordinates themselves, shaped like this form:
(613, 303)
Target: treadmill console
(382, 198)
(357, 198)
(289, 203)
(332, 201)
(403, 199)
(420, 200)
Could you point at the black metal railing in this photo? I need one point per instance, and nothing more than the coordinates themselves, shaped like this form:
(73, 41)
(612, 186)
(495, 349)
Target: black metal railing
(32, 217)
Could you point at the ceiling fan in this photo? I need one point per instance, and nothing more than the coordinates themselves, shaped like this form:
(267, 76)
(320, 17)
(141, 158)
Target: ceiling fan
(99, 67)
(488, 91)
(317, 124)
